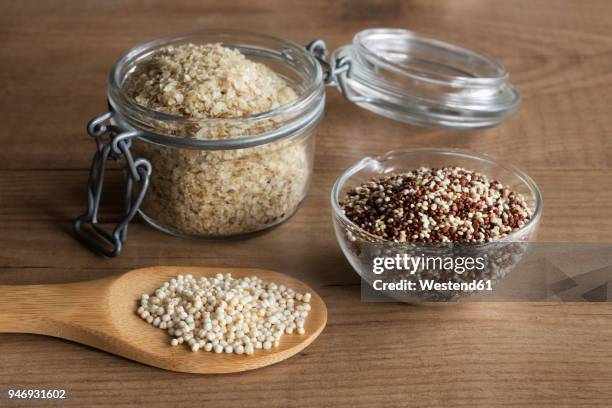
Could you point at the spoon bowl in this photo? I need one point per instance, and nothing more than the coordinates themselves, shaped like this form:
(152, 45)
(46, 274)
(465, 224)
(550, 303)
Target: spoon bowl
(102, 314)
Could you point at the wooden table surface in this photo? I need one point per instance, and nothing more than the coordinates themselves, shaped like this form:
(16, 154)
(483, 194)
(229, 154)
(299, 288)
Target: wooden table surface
(55, 60)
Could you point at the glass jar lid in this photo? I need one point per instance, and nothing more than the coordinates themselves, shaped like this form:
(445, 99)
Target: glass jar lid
(415, 79)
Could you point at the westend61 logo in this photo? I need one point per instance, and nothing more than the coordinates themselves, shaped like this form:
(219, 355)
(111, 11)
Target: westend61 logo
(413, 264)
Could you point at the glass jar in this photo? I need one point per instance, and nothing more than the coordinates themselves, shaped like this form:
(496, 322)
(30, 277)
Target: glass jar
(222, 177)
(212, 177)
(228, 176)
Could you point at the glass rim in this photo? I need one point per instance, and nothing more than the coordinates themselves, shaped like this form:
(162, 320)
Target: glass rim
(360, 39)
(306, 103)
(342, 179)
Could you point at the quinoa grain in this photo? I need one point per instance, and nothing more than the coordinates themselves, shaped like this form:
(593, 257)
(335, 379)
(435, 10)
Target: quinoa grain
(449, 204)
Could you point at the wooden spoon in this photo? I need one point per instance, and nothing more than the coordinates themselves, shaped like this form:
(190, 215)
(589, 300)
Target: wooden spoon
(102, 314)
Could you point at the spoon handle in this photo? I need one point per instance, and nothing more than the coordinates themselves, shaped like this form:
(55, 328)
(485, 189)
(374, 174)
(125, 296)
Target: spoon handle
(45, 309)
(29, 308)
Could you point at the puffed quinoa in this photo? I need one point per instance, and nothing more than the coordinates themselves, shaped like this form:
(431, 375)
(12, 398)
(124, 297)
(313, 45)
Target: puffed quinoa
(224, 314)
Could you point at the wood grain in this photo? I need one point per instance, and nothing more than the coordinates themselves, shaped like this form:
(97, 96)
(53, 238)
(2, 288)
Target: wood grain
(56, 56)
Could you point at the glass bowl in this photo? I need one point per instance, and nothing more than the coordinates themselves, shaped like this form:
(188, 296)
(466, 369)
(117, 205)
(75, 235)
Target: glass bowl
(362, 248)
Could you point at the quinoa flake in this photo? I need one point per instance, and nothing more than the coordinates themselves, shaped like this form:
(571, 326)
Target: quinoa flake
(218, 192)
(207, 81)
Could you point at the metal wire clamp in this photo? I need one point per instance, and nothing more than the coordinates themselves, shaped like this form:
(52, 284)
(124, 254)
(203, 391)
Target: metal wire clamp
(334, 73)
(99, 239)
(337, 72)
